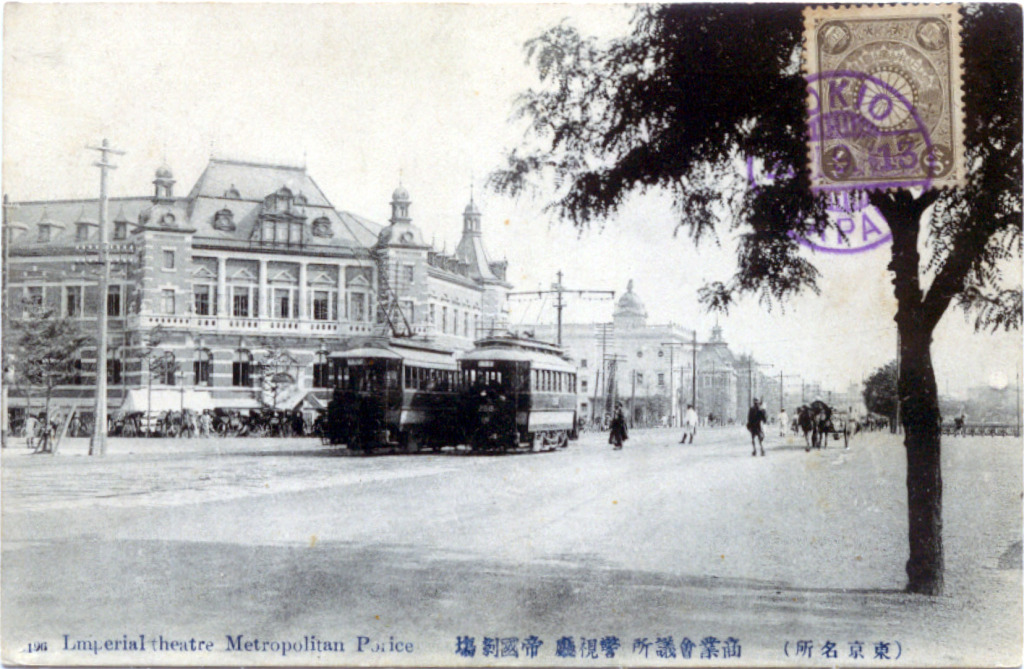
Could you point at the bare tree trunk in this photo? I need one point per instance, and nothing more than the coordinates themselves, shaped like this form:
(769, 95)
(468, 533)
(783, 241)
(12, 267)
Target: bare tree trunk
(922, 439)
(918, 393)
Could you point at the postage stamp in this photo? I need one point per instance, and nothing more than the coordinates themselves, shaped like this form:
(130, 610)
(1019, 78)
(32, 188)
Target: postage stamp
(884, 96)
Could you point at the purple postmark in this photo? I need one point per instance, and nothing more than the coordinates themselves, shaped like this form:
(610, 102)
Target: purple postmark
(856, 225)
(865, 134)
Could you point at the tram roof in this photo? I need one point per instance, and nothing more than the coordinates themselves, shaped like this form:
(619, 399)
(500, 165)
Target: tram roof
(410, 355)
(540, 358)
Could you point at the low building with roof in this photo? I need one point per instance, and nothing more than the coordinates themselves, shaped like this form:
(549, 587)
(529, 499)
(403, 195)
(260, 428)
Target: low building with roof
(253, 264)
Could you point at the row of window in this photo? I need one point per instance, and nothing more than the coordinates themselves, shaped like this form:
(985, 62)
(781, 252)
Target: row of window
(243, 302)
(74, 301)
(466, 326)
(82, 231)
(547, 381)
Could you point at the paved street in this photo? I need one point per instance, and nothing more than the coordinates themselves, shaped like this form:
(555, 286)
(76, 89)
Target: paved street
(277, 538)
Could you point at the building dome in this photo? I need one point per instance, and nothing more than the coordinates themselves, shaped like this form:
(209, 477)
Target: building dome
(471, 209)
(629, 304)
(401, 195)
(164, 173)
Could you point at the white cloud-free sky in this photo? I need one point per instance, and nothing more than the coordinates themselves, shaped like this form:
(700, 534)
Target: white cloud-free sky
(363, 93)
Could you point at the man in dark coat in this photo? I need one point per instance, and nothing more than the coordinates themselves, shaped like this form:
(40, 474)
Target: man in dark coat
(617, 433)
(756, 418)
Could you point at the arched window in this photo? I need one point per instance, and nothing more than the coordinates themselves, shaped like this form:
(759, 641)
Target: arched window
(224, 220)
(202, 367)
(241, 369)
(167, 368)
(114, 366)
(75, 374)
(322, 227)
(321, 367)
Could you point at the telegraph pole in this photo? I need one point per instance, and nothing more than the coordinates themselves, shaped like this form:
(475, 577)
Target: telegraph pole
(558, 290)
(750, 378)
(5, 309)
(98, 443)
(671, 377)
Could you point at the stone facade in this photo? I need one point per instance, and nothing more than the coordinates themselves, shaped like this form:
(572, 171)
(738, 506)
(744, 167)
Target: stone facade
(254, 264)
(628, 360)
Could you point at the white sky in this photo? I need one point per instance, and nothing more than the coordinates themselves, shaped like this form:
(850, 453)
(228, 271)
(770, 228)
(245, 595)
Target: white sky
(362, 92)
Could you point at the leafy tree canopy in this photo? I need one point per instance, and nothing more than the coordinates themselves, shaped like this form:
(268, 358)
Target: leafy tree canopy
(880, 391)
(697, 89)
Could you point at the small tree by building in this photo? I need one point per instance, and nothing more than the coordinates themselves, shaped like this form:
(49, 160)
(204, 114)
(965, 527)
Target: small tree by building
(880, 392)
(277, 369)
(46, 355)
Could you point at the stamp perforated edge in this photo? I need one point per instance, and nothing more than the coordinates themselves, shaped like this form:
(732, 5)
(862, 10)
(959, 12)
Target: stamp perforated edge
(957, 174)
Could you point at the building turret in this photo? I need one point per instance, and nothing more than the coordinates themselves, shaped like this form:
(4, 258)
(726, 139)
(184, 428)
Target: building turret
(400, 202)
(471, 247)
(401, 232)
(163, 184)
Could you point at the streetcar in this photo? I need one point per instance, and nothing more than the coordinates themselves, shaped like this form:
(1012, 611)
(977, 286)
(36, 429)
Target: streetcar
(394, 394)
(519, 393)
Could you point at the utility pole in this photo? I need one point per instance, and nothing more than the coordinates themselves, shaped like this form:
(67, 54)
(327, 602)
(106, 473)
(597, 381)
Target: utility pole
(750, 378)
(98, 443)
(671, 376)
(558, 290)
(5, 308)
(632, 400)
(604, 331)
(694, 379)
(782, 388)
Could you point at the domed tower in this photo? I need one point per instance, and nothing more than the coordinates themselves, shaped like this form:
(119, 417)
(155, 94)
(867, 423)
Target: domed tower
(163, 184)
(400, 202)
(401, 232)
(630, 313)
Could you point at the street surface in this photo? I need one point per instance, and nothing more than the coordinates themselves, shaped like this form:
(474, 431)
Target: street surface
(278, 539)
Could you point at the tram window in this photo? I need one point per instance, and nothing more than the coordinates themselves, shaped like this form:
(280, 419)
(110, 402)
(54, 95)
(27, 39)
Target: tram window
(408, 377)
(392, 376)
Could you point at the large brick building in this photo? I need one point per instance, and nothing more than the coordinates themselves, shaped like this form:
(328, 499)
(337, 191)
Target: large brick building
(253, 272)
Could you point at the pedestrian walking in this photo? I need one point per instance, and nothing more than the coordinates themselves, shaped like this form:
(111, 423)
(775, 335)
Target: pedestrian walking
(756, 418)
(617, 430)
(783, 422)
(689, 424)
(31, 425)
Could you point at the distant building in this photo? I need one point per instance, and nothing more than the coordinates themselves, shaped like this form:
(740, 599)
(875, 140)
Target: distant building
(628, 360)
(717, 380)
(255, 259)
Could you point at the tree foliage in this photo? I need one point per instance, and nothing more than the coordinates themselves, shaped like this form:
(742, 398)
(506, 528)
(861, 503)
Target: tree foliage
(46, 348)
(697, 89)
(880, 391)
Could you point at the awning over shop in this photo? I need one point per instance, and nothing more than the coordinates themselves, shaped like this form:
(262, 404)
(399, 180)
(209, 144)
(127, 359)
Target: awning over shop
(170, 399)
(311, 401)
